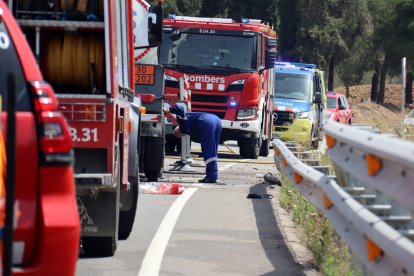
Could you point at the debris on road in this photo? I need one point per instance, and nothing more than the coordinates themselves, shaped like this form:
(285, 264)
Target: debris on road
(162, 188)
(272, 179)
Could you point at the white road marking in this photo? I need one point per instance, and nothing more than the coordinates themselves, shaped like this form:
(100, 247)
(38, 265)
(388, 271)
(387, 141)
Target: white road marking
(153, 258)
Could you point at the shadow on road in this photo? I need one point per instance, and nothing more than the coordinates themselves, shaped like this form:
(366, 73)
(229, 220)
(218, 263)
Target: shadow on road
(270, 235)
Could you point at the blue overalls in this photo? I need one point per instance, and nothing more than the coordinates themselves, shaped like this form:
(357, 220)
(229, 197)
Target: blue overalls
(203, 128)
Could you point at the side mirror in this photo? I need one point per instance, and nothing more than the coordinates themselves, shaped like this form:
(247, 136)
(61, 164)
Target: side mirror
(270, 59)
(148, 26)
(155, 25)
(317, 99)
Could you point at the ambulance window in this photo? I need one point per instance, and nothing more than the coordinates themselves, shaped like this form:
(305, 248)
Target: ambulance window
(10, 64)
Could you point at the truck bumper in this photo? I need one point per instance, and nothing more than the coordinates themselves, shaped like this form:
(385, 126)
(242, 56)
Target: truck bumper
(248, 126)
(299, 131)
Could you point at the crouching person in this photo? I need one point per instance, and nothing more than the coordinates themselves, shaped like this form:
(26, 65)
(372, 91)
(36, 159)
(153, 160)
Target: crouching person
(204, 128)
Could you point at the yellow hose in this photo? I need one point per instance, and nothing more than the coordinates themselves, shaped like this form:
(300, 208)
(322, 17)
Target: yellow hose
(68, 59)
(67, 4)
(230, 161)
(229, 148)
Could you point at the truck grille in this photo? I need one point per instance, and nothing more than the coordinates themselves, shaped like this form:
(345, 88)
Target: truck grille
(208, 98)
(209, 109)
(283, 118)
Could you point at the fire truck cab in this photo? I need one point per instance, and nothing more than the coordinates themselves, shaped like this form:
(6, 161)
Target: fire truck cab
(229, 66)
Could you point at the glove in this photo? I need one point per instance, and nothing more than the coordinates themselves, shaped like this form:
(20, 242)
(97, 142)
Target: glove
(177, 110)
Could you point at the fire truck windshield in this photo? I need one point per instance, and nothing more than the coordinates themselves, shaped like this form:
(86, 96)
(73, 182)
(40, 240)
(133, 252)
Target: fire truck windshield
(293, 86)
(221, 53)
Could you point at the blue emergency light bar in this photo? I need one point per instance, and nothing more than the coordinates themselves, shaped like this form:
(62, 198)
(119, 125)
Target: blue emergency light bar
(296, 64)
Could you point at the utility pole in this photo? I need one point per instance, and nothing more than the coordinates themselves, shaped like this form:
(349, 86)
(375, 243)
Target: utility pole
(404, 74)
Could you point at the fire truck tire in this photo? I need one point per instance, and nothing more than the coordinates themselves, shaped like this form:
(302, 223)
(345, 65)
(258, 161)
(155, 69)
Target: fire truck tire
(99, 246)
(154, 158)
(127, 218)
(249, 148)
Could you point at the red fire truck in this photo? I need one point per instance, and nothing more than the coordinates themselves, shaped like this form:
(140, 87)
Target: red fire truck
(229, 67)
(86, 52)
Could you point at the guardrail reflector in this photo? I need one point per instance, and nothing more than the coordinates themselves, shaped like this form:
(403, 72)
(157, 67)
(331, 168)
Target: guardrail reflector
(373, 251)
(374, 164)
(277, 151)
(327, 203)
(284, 162)
(330, 141)
(298, 178)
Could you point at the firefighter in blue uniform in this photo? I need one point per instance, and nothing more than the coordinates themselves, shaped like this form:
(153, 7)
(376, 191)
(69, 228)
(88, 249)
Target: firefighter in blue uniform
(203, 128)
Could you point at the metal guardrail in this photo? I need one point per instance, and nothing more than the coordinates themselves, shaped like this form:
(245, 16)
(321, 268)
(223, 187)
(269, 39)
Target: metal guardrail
(371, 206)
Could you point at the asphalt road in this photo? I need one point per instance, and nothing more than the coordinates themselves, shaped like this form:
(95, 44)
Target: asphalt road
(208, 230)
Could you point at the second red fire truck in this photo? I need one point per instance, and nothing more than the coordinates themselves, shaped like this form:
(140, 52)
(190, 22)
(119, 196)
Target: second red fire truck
(229, 66)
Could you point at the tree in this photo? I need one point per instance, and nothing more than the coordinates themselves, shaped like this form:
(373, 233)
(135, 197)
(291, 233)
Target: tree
(170, 7)
(213, 8)
(387, 37)
(288, 28)
(351, 69)
(189, 7)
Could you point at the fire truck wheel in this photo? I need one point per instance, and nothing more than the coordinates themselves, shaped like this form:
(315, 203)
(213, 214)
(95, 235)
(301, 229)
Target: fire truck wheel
(154, 158)
(127, 218)
(250, 148)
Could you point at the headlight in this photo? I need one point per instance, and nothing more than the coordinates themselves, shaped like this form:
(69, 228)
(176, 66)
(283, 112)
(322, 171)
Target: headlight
(237, 82)
(245, 114)
(302, 115)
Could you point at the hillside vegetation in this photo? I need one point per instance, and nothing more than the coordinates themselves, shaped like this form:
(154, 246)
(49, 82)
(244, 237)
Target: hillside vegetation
(387, 116)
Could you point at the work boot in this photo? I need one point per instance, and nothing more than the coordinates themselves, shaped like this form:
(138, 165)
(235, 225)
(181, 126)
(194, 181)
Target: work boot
(207, 180)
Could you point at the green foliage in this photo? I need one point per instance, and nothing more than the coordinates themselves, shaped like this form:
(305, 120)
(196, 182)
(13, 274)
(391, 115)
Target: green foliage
(355, 35)
(330, 252)
(189, 7)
